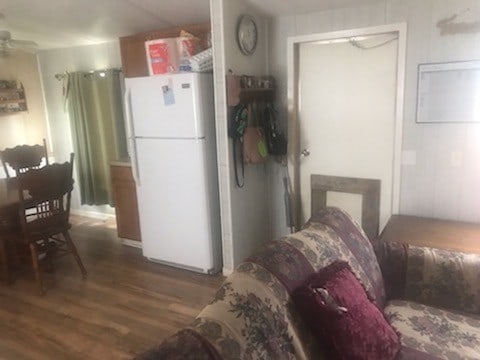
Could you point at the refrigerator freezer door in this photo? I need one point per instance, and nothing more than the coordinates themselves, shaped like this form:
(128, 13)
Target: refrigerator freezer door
(177, 218)
(168, 106)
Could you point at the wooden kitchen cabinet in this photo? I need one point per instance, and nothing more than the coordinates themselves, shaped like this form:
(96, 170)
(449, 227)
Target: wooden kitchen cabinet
(132, 48)
(125, 198)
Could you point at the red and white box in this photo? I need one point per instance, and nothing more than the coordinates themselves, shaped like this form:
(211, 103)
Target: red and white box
(187, 47)
(162, 56)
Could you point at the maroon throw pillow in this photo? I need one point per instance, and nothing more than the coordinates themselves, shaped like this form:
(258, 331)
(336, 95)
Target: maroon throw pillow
(344, 320)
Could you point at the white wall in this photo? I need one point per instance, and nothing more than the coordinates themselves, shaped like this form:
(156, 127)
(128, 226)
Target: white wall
(245, 217)
(443, 182)
(57, 61)
(24, 127)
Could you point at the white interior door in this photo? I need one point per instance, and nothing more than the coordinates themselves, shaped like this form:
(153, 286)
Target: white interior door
(346, 115)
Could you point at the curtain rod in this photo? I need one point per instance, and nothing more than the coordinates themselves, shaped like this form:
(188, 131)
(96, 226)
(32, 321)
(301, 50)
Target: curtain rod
(61, 76)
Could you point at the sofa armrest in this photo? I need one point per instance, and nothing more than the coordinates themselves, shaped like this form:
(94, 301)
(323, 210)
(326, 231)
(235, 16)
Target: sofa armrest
(186, 344)
(443, 278)
(392, 258)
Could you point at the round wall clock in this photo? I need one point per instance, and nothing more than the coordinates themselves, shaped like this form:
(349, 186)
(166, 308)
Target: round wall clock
(247, 34)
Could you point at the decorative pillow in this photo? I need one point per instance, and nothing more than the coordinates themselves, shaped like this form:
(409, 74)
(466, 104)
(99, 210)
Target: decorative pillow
(335, 305)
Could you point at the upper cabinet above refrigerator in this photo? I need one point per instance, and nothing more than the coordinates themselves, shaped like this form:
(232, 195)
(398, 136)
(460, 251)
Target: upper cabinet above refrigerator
(132, 47)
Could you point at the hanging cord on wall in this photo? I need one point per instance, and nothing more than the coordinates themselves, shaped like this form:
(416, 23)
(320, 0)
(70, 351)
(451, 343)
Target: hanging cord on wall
(238, 123)
(240, 180)
(357, 44)
(287, 199)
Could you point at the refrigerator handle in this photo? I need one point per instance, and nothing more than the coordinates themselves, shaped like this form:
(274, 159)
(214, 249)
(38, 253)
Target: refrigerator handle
(132, 150)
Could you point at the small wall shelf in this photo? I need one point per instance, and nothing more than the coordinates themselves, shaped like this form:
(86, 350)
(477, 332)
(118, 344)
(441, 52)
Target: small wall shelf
(12, 98)
(249, 95)
(245, 89)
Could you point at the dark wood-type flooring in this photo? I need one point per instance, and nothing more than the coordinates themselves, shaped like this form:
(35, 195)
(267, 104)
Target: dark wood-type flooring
(125, 306)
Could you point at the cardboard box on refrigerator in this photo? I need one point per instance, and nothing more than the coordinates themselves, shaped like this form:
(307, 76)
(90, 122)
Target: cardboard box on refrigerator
(171, 54)
(162, 56)
(187, 47)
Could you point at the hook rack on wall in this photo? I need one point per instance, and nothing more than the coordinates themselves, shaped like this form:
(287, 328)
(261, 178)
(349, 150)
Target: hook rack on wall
(242, 89)
(252, 122)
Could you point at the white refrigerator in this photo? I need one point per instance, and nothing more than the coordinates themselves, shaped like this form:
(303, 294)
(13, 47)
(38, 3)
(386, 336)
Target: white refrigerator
(171, 139)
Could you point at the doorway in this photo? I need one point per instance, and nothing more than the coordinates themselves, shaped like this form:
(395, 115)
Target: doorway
(346, 109)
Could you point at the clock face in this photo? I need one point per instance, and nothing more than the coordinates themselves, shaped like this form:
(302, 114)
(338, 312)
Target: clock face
(247, 34)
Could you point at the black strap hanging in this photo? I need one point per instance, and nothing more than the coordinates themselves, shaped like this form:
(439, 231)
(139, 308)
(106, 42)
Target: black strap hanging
(276, 140)
(239, 182)
(238, 123)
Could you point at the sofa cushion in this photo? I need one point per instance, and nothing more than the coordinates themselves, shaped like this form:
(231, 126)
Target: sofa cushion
(440, 333)
(355, 239)
(443, 278)
(436, 277)
(335, 305)
(321, 246)
(289, 265)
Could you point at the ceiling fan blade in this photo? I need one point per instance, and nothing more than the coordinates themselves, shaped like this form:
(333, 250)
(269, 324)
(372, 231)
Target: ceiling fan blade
(21, 45)
(7, 44)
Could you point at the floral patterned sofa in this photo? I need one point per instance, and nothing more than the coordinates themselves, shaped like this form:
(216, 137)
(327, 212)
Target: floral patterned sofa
(431, 297)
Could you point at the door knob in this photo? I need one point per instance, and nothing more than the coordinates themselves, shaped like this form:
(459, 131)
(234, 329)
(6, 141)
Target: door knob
(305, 153)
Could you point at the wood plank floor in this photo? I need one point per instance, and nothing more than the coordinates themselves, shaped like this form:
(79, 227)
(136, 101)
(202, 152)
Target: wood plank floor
(125, 306)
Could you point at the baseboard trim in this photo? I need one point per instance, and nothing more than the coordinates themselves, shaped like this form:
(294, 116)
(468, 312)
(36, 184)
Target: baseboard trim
(226, 272)
(133, 243)
(92, 214)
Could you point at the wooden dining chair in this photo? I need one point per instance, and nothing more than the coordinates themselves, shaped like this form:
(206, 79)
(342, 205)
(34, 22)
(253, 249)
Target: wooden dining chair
(22, 158)
(45, 195)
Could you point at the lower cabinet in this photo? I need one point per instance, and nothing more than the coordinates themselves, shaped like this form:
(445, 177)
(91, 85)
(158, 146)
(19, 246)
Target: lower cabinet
(126, 207)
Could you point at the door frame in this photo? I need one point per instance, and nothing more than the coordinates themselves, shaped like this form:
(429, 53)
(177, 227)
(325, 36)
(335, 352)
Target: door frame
(294, 151)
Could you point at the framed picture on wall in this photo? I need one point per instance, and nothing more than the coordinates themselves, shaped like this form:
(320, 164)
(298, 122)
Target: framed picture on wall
(448, 92)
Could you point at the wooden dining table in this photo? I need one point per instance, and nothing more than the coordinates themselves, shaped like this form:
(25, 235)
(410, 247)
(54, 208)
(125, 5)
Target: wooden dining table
(8, 193)
(9, 218)
(9, 200)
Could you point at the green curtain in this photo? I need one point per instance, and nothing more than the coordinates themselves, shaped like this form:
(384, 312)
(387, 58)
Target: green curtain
(94, 104)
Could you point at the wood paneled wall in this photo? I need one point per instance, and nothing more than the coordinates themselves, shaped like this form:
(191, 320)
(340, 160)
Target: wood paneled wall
(245, 216)
(441, 171)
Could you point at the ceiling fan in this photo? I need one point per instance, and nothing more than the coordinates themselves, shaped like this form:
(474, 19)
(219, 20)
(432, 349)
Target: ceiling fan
(7, 44)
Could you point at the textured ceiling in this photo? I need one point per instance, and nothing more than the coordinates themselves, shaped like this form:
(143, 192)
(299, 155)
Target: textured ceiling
(65, 23)
(290, 7)
(62, 23)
